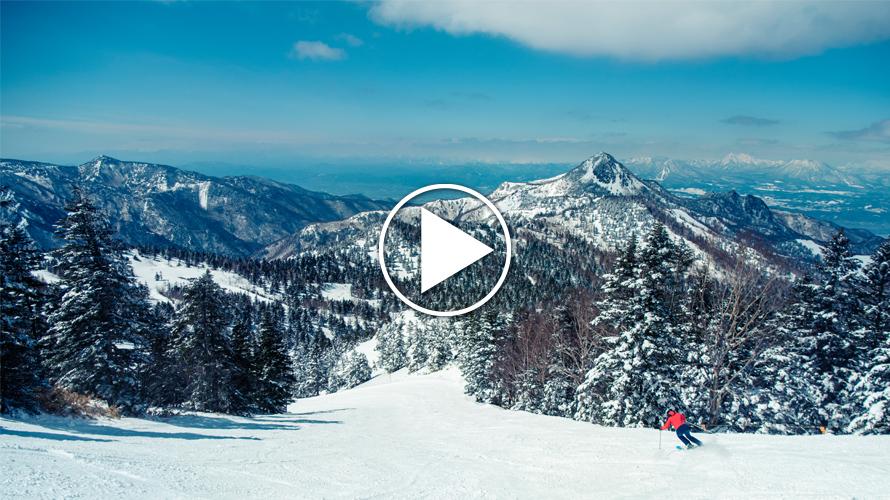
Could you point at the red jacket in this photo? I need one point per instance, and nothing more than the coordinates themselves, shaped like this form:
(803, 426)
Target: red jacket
(675, 421)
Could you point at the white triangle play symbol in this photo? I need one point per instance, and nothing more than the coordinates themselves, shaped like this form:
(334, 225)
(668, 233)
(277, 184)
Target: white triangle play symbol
(445, 250)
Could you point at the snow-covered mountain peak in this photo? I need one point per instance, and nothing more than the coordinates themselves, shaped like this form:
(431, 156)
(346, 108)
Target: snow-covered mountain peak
(739, 158)
(605, 172)
(104, 159)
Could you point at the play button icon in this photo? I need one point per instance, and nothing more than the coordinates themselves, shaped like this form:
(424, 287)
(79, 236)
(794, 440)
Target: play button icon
(445, 249)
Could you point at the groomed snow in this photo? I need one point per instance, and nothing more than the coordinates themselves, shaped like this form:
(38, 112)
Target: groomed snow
(410, 436)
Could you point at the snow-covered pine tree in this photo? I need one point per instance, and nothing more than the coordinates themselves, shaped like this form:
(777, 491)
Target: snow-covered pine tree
(838, 332)
(275, 379)
(304, 371)
(391, 348)
(783, 397)
(558, 396)
(615, 315)
(244, 350)
(96, 339)
(872, 392)
(528, 392)
(21, 323)
(351, 369)
(876, 297)
(418, 354)
(439, 335)
(310, 365)
(160, 388)
(479, 353)
(205, 361)
(634, 381)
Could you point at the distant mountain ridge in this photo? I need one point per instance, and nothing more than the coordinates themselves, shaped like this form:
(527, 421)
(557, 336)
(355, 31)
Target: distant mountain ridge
(742, 166)
(600, 200)
(151, 204)
(603, 202)
(846, 195)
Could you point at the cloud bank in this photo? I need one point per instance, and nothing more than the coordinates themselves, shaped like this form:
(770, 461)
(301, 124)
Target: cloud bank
(878, 132)
(653, 31)
(316, 51)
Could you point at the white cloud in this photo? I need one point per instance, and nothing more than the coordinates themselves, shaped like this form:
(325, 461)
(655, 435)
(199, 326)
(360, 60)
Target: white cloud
(654, 30)
(351, 40)
(317, 51)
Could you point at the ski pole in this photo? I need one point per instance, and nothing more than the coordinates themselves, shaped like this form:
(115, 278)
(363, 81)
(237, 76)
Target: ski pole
(659, 439)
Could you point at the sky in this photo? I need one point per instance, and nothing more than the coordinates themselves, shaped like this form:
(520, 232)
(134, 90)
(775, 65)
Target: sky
(444, 82)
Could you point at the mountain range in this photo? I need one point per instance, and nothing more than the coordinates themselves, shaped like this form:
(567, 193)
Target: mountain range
(160, 205)
(848, 195)
(741, 167)
(600, 201)
(603, 202)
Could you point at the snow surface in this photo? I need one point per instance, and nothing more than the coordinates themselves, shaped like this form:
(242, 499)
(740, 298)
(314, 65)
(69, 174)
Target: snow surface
(814, 248)
(369, 349)
(410, 436)
(175, 272)
(337, 291)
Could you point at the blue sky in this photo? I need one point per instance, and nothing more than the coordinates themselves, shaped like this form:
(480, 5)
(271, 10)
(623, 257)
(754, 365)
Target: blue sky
(272, 83)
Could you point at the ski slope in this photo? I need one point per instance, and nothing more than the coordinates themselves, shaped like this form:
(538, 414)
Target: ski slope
(410, 436)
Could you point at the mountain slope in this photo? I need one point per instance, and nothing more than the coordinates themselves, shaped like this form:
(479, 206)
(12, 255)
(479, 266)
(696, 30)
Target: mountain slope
(161, 205)
(418, 436)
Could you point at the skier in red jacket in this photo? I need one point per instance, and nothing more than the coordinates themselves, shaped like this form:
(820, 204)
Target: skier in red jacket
(678, 421)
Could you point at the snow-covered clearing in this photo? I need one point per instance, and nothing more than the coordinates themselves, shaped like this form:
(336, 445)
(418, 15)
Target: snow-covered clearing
(814, 248)
(158, 274)
(337, 291)
(408, 436)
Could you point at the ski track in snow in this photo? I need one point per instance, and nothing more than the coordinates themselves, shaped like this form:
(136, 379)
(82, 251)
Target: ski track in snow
(418, 436)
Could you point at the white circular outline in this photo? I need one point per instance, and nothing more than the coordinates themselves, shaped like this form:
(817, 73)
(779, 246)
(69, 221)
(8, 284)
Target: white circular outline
(427, 189)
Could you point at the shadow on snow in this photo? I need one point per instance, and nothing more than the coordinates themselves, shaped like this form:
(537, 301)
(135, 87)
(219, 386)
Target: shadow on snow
(77, 428)
(50, 435)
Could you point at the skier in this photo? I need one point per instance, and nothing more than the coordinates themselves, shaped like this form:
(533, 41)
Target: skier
(678, 421)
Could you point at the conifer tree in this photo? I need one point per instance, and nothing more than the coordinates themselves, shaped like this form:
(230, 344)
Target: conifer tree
(634, 380)
(391, 348)
(558, 395)
(244, 353)
(97, 330)
(528, 392)
(351, 370)
(439, 344)
(783, 393)
(479, 353)
(275, 375)
(872, 393)
(160, 388)
(310, 365)
(417, 348)
(876, 297)
(836, 327)
(204, 356)
(21, 323)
